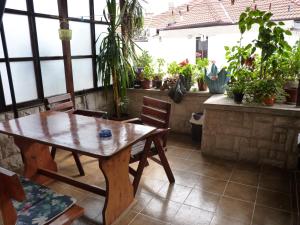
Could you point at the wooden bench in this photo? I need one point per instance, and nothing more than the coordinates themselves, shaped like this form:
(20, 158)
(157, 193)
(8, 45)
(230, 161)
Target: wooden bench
(14, 196)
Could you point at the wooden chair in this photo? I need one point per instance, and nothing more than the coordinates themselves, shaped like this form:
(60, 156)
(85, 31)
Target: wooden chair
(154, 113)
(64, 103)
(12, 189)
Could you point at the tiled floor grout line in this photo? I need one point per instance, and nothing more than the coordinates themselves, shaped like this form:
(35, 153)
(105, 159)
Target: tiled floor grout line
(222, 195)
(259, 177)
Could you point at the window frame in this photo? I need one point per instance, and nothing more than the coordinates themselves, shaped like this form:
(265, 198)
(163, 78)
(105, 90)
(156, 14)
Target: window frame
(36, 59)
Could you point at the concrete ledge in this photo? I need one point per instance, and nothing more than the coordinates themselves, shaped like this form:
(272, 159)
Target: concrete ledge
(255, 133)
(222, 102)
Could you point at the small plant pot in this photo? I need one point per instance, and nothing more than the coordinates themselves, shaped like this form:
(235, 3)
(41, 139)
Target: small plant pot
(291, 97)
(201, 85)
(238, 98)
(269, 101)
(137, 84)
(157, 84)
(145, 84)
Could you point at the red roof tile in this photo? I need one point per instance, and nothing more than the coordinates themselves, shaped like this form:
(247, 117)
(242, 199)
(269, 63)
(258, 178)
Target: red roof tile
(214, 12)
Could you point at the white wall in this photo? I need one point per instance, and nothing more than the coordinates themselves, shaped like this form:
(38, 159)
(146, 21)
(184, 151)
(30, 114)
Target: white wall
(181, 44)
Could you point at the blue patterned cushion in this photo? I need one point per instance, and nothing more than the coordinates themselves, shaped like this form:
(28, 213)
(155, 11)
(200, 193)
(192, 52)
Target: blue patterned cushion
(41, 205)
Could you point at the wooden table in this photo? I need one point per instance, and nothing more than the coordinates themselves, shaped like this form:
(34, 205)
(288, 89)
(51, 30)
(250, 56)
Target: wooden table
(34, 134)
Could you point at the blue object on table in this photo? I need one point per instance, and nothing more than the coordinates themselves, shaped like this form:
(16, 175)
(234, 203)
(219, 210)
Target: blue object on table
(218, 85)
(105, 133)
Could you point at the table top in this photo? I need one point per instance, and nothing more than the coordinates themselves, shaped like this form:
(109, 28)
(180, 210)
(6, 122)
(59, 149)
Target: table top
(76, 133)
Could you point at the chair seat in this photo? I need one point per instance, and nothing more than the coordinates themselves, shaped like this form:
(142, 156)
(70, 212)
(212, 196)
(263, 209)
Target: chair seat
(42, 205)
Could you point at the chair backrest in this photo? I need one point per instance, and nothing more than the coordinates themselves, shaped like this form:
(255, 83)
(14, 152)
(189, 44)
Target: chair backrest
(155, 112)
(62, 103)
(10, 188)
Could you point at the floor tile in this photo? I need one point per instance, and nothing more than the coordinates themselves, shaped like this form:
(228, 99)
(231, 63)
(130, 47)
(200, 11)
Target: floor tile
(203, 200)
(185, 178)
(141, 219)
(211, 185)
(222, 220)
(143, 200)
(151, 185)
(240, 191)
(274, 199)
(162, 209)
(189, 215)
(174, 192)
(268, 216)
(275, 182)
(245, 177)
(246, 166)
(178, 152)
(127, 218)
(234, 208)
(92, 207)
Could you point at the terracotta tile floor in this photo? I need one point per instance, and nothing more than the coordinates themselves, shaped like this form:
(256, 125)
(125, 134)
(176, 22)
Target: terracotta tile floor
(207, 191)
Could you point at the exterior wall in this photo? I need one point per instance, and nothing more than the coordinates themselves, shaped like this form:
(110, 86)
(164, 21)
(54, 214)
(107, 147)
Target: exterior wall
(10, 157)
(180, 113)
(181, 44)
(258, 136)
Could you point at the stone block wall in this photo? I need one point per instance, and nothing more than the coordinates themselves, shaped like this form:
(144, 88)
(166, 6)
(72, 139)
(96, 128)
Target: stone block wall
(260, 137)
(180, 113)
(10, 157)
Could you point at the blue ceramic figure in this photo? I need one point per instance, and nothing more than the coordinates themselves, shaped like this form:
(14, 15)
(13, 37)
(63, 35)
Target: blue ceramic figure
(216, 80)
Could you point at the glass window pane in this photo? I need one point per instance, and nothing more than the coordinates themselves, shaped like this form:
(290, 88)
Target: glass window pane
(99, 5)
(81, 38)
(1, 49)
(53, 75)
(4, 79)
(79, 8)
(16, 4)
(24, 81)
(82, 74)
(49, 42)
(46, 7)
(100, 32)
(17, 35)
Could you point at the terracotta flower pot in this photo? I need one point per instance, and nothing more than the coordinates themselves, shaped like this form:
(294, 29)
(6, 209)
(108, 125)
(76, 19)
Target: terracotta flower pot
(146, 84)
(269, 101)
(201, 85)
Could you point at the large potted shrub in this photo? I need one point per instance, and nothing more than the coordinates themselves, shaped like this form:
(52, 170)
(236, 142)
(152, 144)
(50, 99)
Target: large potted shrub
(116, 49)
(160, 73)
(188, 71)
(269, 43)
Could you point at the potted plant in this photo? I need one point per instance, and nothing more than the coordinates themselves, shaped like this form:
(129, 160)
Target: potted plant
(157, 82)
(201, 64)
(237, 89)
(270, 42)
(188, 71)
(173, 69)
(117, 49)
(147, 76)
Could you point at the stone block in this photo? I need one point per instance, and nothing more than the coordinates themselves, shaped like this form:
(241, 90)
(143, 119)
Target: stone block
(262, 130)
(264, 118)
(282, 121)
(248, 154)
(262, 144)
(235, 131)
(225, 142)
(224, 154)
(248, 120)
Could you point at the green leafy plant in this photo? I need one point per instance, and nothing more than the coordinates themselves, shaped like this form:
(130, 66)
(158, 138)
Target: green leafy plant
(148, 72)
(144, 59)
(117, 50)
(160, 68)
(201, 64)
(258, 90)
(173, 68)
(270, 39)
(188, 72)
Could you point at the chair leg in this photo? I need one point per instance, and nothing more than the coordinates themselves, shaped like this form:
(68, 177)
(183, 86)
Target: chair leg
(78, 163)
(164, 160)
(141, 166)
(53, 152)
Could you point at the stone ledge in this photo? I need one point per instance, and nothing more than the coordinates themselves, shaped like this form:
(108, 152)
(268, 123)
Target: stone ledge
(222, 102)
(165, 92)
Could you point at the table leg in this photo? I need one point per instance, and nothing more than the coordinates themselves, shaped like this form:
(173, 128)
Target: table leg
(35, 156)
(118, 186)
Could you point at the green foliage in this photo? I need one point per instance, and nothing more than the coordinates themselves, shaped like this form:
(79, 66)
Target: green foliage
(160, 68)
(258, 90)
(148, 72)
(173, 68)
(116, 52)
(144, 59)
(201, 65)
(270, 38)
(188, 71)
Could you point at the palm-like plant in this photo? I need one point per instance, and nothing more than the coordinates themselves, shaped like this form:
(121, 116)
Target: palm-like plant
(117, 49)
